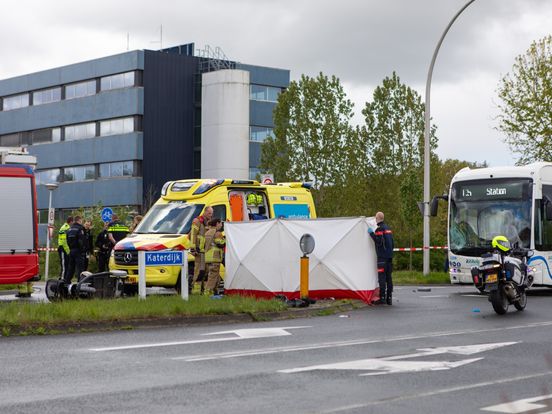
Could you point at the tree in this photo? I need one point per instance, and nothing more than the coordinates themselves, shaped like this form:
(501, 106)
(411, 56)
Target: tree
(526, 95)
(311, 128)
(394, 137)
(410, 191)
(394, 128)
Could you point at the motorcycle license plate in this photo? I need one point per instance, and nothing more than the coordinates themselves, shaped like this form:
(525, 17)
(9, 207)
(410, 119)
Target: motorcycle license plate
(492, 278)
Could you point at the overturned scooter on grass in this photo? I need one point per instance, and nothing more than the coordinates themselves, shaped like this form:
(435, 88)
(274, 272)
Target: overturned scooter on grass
(503, 275)
(90, 285)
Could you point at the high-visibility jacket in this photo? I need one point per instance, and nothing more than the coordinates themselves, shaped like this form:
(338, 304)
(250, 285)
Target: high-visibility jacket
(214, 245)
(62, 237)
(118, 230)
(197, 234)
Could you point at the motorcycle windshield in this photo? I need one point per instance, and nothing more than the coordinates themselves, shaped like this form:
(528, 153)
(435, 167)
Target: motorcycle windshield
(481, 210)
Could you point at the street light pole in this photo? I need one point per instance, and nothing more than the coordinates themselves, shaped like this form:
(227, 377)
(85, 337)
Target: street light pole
(427, 158)
(51, 187)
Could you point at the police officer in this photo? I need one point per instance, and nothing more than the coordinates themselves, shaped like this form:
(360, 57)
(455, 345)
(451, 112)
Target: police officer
(197, 246)
(63, 248)
(117, 231)
(88, 248)
(383, 239)
(214, 245)
(104, 249)
(76, 240)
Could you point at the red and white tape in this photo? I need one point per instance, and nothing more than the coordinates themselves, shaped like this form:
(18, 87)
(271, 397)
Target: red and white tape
(419, 249)
(43, 249)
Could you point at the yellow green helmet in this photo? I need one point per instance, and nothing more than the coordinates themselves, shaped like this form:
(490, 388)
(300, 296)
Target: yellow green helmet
(501, 243)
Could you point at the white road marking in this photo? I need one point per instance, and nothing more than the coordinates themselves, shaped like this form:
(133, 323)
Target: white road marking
(474, 296)
(435, 392)
(354, 342)
(241, 334)
(396, 364)
(436, 296)
(521, 406)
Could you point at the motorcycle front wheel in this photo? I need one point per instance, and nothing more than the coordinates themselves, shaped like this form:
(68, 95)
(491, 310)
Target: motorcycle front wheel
(522, 302)
(499, 301)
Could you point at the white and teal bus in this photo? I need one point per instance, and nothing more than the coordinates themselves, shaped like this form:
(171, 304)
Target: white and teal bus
(512, 201)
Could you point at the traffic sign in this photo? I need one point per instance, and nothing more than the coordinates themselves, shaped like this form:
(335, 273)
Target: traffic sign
(267, 179)
(106, 214)
(51, 216)
(164, 258)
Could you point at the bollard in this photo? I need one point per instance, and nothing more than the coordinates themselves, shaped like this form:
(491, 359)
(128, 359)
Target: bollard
(304, 282)
(306, 244)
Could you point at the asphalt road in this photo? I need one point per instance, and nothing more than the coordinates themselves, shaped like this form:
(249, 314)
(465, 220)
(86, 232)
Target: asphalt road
(443, 351)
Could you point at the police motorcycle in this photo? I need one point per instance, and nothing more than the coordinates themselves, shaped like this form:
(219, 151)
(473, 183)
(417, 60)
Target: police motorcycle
(90, 285)
(503, 275)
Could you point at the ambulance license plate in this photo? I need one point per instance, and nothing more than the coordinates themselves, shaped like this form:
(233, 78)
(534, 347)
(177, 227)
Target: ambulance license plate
(132, 279)
(492, 278)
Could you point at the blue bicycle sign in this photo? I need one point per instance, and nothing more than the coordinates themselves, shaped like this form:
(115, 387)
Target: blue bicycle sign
(106, 214)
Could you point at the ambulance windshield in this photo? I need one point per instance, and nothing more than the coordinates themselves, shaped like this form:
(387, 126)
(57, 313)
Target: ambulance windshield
(172, 218)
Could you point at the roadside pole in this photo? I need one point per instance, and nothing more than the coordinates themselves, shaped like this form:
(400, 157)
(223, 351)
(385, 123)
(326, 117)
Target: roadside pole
(163, 258)
(142, 274)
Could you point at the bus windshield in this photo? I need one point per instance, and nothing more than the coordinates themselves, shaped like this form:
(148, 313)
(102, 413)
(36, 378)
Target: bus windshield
(172, 218)
(483, 209)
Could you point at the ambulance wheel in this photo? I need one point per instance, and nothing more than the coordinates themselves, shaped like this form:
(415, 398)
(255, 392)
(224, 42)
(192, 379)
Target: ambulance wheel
(522, 302)
(130, 289)
(178, 286)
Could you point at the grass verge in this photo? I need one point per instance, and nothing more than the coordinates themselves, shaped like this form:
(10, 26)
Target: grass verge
(405, 277)
(15, 316)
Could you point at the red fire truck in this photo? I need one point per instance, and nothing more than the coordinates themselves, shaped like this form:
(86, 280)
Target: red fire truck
(18, 218)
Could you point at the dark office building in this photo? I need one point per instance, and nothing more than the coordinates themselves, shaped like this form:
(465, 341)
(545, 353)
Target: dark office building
(111, 131)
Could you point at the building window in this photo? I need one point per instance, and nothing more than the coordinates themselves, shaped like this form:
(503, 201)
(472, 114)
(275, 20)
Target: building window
(259, 134)
(121, 80)
(117, 169)
(254, 173)
(117, 126)
(264, 93)
(81, 131)
(80, 173)
(16, 101)
(41, 136)
(47, 96)
(48, 176)
(81, 89)
(10, 140)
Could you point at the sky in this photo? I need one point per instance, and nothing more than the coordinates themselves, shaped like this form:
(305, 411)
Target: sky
(359, 41)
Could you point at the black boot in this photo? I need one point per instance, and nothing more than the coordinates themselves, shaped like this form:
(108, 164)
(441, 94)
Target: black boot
(381, 300)
(389, 298)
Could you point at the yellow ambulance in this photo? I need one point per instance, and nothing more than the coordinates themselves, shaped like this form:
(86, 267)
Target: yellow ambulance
(167, 224)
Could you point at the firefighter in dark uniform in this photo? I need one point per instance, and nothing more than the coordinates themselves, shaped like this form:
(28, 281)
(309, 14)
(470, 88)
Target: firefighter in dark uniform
(383, 239)
(104, 249)
(89, 247)
(76, 240)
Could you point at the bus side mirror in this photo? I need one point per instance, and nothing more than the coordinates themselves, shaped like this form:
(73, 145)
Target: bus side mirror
(434, 204)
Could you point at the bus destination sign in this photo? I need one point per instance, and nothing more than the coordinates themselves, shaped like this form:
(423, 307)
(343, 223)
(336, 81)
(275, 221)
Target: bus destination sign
(489, 191)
